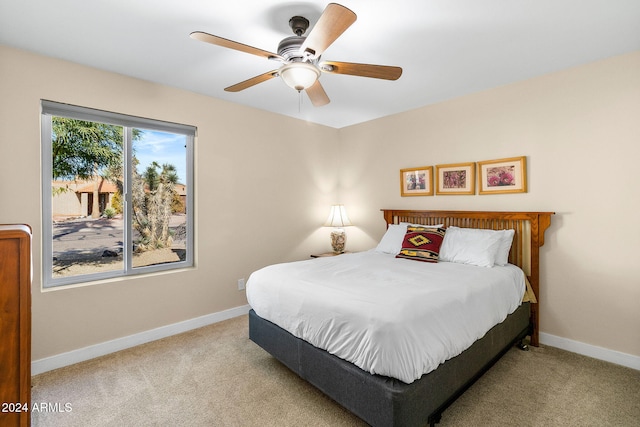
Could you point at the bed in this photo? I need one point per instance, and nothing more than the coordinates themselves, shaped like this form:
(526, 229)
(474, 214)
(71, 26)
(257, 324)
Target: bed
(385, 400)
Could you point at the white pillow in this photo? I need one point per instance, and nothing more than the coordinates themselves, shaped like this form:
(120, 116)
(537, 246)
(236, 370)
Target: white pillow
(391, 242)
(506, 238)
(470, 246)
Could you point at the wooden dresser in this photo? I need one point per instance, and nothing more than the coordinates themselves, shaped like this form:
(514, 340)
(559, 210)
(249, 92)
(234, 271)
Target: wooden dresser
(15, 325)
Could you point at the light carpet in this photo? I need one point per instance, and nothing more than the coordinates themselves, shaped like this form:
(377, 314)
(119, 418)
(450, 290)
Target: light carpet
(215, 376)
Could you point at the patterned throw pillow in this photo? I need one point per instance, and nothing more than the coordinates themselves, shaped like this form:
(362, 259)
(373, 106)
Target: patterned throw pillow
(422, 244)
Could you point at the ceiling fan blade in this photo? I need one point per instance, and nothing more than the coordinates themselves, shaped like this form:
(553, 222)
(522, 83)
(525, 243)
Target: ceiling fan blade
(317, 95)
(363, 70)
(332, 23)
(252, 81)
(220, 41)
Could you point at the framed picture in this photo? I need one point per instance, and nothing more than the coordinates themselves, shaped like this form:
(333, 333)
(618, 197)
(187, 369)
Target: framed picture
(503, 176)
(416, 181)
(459, 178)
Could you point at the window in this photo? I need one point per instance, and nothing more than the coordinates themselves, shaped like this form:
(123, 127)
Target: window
(117, 194)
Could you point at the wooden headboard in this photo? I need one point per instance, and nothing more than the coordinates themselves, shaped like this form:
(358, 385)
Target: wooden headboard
(525, 250)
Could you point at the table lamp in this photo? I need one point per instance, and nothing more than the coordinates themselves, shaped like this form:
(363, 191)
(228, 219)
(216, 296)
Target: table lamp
(338, 218)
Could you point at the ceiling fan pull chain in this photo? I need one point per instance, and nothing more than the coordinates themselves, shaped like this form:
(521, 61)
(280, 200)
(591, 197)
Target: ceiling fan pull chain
(299, 101)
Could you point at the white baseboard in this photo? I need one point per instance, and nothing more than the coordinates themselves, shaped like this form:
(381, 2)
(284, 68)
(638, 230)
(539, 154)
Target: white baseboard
(86, 353)
(600, 353)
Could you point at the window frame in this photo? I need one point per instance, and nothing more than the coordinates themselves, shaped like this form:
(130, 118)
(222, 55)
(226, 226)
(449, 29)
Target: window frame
(50, 109)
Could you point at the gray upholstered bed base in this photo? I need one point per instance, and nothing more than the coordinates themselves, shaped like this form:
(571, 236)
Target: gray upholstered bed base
(383, 401)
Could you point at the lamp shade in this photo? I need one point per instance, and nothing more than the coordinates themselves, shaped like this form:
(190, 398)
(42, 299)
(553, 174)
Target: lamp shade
(337, 217)
(299, 75)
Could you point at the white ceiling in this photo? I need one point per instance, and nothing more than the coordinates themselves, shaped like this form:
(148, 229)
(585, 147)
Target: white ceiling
(447, 48)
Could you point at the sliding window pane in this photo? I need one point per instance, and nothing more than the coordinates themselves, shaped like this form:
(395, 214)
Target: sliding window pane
(86, 197)
(158, 198)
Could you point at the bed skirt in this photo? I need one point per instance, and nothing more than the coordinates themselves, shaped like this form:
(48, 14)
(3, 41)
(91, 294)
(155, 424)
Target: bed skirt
(383, 401)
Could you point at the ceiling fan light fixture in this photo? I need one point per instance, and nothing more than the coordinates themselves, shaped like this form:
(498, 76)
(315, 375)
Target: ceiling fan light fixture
(299, 75)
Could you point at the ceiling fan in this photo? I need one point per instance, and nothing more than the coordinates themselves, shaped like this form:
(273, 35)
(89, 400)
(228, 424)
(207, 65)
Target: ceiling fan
(300, 56)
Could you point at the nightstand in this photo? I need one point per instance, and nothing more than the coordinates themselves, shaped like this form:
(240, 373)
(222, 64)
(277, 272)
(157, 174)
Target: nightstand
(328, 254)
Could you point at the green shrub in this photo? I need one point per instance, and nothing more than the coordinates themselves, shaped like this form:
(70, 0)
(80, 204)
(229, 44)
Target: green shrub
(109, 213)
(116, 202)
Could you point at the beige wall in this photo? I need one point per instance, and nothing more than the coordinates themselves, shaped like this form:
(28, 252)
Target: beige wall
(580, 131)
(261, 197)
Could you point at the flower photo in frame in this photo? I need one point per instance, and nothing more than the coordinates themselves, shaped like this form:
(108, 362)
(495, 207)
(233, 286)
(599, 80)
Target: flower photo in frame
(458, 178)
(416, 181)
(503, 176)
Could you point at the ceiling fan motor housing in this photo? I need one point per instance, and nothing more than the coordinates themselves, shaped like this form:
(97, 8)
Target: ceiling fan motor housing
(289, 48)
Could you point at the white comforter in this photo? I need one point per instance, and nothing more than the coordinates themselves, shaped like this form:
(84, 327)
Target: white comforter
(394, 317)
